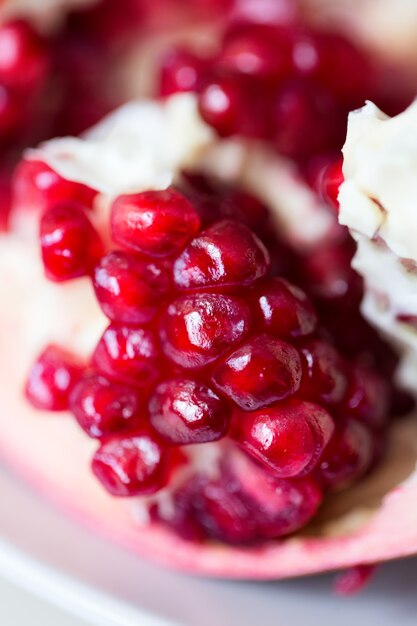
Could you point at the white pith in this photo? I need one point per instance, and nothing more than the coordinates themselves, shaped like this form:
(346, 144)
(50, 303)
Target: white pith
(377, 202)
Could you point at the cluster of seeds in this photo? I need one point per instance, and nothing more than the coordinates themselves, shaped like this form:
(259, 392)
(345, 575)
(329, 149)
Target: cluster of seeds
(207, 349)
(287, 84)
(24, 69)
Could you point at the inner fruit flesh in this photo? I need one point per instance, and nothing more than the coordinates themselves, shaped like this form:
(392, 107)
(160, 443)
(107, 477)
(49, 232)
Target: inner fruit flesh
(208, 349)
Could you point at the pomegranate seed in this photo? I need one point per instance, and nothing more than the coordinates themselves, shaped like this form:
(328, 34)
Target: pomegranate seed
(227, 253)
(330, 180)
(23, 56)
(260, 372)
(37, 185)
(185, 411)
(304, 120)
(288, 438)
(283, 309)
(196, 329)
(13, 112)
(221, 105)
(247, 504)
(158, 223)
(127, 354)
(245, 208)
(52, 378)
(129, 288)
(256, 51)
(70, 245)
(344, 70)
(325, 376)
(328, 272)
(132, 465)
(103, 407)
(367, 397)
(347, 457)
(181, 71)
(354, 580)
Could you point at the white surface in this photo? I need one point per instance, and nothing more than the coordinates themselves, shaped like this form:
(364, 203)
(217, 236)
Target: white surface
(102, 585)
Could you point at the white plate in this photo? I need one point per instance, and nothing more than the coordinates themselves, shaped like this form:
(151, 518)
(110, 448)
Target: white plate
(72, 568)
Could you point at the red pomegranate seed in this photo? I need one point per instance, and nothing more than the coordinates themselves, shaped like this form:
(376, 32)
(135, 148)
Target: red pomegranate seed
(255, 50)
(347, 457)
(221, 104)
(70, 245)
(196, 329)
(128, 354)
(37, 185)
(23, 56)
(132, 465)
(325, 375)
(103, 407)
(185, 411)
(288, 438)
(247, 504)
(328, 272)
(367, 397)
(304, 119)
(158, 223)
(13, 112)
(344, 69)
(181, 71)
(354, 580)
(260, 372)
(52, 378)
(129, 288)
(245, 208)
(227, 253)
(283, 309)
(329, 184)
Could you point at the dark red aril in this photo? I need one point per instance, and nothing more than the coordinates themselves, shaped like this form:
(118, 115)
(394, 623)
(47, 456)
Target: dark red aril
(103, 407)
(348, 456)
(247, 504)
(283, 309)
(52, 378)
(196, 329)
(181, 71)
(132, 465)
(325, 374)
(70, 245)
(304, 120)
(258, 51)
(367, 398)
(261, 371)
(288, 438)
(23, 56)
(36, 185)
(158, 223)
(221, 105)
(184, 411)
(329, 183)
(225, 254)
(128, 354)
(129, 287)
(13, 112)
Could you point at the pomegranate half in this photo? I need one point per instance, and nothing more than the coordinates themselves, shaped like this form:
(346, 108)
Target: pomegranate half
(371, 522)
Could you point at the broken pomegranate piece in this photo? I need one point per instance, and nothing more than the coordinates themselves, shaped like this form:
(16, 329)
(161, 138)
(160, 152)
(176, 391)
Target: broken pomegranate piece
(215, 402)
(194, 357)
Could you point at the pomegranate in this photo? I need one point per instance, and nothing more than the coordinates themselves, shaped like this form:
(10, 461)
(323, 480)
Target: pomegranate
(227, 417)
